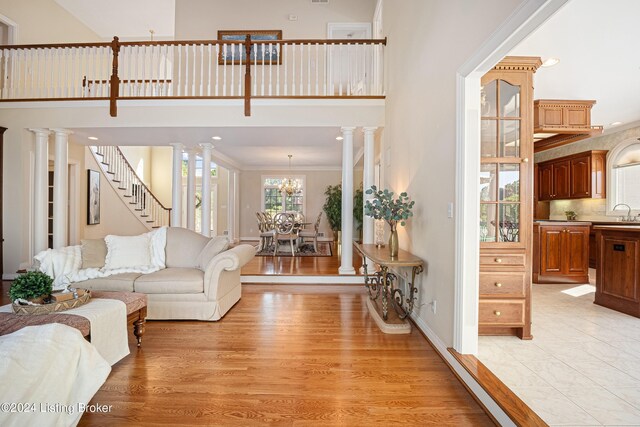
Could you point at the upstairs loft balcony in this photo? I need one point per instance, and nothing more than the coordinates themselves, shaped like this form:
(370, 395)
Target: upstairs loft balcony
(200, 69)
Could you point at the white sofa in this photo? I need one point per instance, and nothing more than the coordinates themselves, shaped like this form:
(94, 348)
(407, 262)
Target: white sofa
(198, 282)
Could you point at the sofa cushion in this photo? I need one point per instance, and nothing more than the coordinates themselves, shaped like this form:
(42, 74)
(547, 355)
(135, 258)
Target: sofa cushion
(127, 252)
(214, 247)
(118, 282)
(171, 281)
(184, 247)
(94, 252)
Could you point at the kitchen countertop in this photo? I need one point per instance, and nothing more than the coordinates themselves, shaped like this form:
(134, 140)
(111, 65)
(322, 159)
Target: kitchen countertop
(594, 222)
(619, 227)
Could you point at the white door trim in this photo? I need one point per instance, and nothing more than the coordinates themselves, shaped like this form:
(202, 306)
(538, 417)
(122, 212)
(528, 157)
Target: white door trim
(12, 36)
(524, 20)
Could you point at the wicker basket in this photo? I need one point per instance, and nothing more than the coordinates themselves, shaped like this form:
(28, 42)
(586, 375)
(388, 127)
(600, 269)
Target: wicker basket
(51, 308)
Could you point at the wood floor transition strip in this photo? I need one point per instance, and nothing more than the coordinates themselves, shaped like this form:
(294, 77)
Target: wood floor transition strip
(510, 403)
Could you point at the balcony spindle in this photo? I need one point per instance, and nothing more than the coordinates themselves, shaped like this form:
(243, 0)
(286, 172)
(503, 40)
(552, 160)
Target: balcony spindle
(217, 68)
(224, 69)
(263, 63)
(270, 68)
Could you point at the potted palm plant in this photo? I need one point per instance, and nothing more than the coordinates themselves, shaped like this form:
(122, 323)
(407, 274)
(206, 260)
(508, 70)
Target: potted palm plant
(333, 209)
(393, 210)
(358, 214)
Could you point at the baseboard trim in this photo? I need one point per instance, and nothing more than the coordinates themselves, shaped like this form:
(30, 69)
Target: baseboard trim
(307, 280)
(9, 276)
(499, 416)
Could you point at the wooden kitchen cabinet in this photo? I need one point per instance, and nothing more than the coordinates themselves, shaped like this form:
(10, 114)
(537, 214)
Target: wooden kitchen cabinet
(506, 197)
(561, 252)
(577, 176)
(618, 275)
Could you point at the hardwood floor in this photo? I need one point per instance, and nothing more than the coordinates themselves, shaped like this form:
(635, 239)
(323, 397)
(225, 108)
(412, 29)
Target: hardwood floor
(297, 266)
(284, 355)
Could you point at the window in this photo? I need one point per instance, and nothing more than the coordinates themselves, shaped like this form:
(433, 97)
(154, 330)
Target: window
(275, 201)
(623, 175)
(185, 167)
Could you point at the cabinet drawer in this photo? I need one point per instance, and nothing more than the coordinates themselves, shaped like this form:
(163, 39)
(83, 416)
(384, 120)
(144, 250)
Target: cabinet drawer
(503, 284)
(501, 313)
(496, 260)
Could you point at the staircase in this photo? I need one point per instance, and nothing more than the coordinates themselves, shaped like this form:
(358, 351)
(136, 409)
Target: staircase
(133, 192)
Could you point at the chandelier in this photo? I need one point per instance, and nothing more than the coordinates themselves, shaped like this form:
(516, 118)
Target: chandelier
(288, 184)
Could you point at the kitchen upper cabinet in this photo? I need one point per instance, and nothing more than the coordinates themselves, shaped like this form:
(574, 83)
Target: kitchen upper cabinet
(561, 252)
(577, 176)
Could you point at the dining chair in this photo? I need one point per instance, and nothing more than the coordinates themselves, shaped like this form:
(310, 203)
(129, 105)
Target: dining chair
(285, 229)
(266, 230)
(312, 234)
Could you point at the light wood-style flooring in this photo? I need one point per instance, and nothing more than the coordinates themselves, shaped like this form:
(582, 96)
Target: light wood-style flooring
(284, 355)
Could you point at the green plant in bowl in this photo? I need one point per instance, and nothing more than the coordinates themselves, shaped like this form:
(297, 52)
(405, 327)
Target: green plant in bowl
(31, 285)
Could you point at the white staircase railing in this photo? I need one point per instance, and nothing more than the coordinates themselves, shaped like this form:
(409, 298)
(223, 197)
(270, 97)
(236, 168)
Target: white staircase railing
(132, 190)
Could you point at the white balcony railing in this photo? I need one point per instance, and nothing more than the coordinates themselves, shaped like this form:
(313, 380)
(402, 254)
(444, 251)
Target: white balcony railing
(193, 69)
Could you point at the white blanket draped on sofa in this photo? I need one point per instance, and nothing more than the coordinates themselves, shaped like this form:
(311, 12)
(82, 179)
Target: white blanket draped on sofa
(63, 264)
(52, 372)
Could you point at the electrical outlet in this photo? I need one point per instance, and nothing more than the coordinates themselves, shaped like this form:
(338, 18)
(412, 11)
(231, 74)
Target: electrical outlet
(225, 233)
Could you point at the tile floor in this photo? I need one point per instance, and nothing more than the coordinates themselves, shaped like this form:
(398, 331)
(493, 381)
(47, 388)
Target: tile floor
(582, 367)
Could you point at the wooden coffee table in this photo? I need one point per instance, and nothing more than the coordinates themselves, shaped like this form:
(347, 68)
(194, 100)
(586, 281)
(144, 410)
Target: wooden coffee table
(136, 315)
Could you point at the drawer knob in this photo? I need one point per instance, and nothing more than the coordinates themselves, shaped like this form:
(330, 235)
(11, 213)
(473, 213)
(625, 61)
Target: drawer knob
(497, 313)
(498, 285)
(498, 260)
(525, 160)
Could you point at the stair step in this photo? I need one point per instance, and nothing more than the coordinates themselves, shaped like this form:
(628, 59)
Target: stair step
(116, 180)
(145, 216)
(150, 221)
(111, 172)
(127, 195)
(156, 226)
(122, 188)
(106, 164)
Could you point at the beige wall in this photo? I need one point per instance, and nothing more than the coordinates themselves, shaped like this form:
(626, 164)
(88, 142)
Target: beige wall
(420, 128)
(201, 19)
(587, 209)
(45, 21)
(161, 171)
(115, 216)
(251, 197)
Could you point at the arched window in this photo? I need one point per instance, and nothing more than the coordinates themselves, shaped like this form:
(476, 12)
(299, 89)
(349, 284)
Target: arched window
(623, 177)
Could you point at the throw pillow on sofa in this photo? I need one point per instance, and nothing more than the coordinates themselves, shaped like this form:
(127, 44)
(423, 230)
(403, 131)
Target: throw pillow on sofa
(127, 251)
(94, 252)
(214, 247)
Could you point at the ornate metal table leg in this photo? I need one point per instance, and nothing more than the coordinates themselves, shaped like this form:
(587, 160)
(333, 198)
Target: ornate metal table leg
(385, 291)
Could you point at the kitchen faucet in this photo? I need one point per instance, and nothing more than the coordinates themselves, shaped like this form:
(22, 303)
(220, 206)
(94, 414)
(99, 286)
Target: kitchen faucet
(628, 217)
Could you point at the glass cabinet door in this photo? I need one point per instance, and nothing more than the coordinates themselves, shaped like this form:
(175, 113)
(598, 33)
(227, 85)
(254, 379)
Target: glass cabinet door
(501, 163)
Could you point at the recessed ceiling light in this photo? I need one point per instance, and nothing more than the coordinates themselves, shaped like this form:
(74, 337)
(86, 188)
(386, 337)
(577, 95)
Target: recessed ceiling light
(217, 138)
(550, 62)
(93, 138)
(615, 123)
(339, 138)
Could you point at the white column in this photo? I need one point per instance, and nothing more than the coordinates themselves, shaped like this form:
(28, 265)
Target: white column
(231, 203)
(346, 262)
(60, 187)
(191, 189)
(41, 190)
(205, 217)
(367, 182)
(176, 185)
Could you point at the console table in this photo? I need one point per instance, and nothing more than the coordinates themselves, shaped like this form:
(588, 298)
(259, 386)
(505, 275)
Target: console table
(383, 288)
